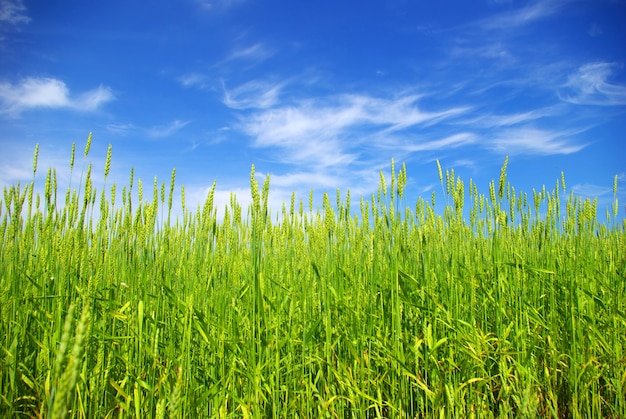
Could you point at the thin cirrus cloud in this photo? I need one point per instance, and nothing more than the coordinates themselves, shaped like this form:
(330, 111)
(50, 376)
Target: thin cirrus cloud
(328, 132)
(589, 85)
(33, 93)
(166, 130)
(525, 15)
(13, 12)
(308, 179)
(156, 131)
(213, 5)
(452, 141)
(193, 80)
(325, 119)
(534, 141)
(508, 120)
(254, 54)
(253, 94)
(590, 190)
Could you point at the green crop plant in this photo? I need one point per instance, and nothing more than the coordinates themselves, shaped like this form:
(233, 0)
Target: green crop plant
(502, 305)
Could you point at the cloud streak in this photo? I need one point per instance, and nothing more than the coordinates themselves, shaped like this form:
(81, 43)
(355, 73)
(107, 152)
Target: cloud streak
(326, 132)
(452, 141)
(590, 86)
(166, 130)
(253, 94)
(507, 120)
(13, 12)
(212, 5)
(155, 131)
(193, 80)
(523, 16)
(33, 93)
(255, 54)
(533, 141)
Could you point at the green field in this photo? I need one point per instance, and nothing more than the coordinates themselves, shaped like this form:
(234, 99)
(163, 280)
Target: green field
(506, 304)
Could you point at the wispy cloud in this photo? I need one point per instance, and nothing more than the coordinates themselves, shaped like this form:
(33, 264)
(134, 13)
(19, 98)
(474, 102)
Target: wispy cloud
(193, 80)
(155, 131)
(253, 94)
(590, 190)
(13, 12)
(166, 130)
(595, 30)
(328, 132)
(590, 86)
(212, 5)
(485, 120)
(120, 129)
(16, 162)
(534, 141)
(255, 54)
(33, 93)
(304, 179)
(522, 16)
(241, 58)
(452, 141)
(494, 50)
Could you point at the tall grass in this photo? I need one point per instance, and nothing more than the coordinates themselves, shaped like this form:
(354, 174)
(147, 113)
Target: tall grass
(376, 308)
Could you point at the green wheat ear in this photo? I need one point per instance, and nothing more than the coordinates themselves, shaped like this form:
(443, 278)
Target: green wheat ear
(317, 315)
(35, 156)
(440, 172)
(254, 190)
(72, 156)
(107, 164)
(88, 145)
(502, 180)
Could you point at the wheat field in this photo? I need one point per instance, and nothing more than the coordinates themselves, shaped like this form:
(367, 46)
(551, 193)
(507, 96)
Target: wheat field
(505, 305)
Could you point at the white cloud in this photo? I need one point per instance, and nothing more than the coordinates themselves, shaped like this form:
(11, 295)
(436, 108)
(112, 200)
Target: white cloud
(595, 30)
(589, 190)
(166, 130)
(590, 86)
(16, 164)
(256, 53)
(120, 129)
(211, 5)
(14, 168)
(519, 17)
(534, 141)
(496, 121)
(253, 94)
(33, 93)
(339, 130)
(91, 100)
(307, 179)
(325, 119)
(13, 12)
(452, 141)
(193, 80)
(155, 131)
(491, 50)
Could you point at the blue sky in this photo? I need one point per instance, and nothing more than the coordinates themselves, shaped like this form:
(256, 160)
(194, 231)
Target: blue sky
(320, 94)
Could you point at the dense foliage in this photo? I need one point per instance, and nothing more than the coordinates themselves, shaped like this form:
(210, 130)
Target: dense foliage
(513, 307)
